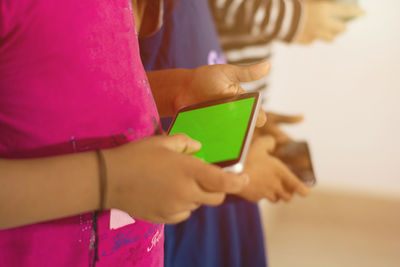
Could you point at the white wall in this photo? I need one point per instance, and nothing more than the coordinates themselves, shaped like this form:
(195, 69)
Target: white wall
(349, 92)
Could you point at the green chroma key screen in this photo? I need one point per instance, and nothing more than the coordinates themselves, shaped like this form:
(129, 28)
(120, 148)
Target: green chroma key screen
(219, 128)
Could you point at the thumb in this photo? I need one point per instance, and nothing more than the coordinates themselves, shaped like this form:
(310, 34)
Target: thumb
(247, 73)
(281, 118)
(346, 11)
(181, 143)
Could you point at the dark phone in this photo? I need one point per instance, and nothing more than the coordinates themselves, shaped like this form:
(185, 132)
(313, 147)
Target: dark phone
(296, 155)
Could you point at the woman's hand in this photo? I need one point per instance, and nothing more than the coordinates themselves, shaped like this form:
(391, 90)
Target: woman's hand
(324, 20)
(175, 88)
(273, 126)
(156, 179)
(216, 81)
(270, 178)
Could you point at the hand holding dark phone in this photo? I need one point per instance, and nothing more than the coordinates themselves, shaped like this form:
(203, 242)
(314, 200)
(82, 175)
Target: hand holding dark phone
(296, 155)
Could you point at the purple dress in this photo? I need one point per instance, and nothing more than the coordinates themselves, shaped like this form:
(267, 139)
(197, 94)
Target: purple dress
(230, 234)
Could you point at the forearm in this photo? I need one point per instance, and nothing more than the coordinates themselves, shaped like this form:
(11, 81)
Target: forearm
(165, 85)
(36, 190)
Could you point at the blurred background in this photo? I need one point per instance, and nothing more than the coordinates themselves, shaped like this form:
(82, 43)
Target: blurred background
(348, 92)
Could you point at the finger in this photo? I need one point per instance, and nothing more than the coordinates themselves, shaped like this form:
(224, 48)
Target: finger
(305, 37)
(325, 35)
(264, 143)
(213, 179)
(261, 118)
(257, 133)
(181, 143)
(211, 198)
(336, 26)
(272, 197)
(291, 182)
(302, 189)
(177, 217)
(346, 11)
(283, 194)
(234, 89)
(305, 40)
(281, 118)
(194, 206)
(279, 135)
(246, 73)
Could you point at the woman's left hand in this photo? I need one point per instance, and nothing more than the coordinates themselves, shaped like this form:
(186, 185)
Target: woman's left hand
(175, 88)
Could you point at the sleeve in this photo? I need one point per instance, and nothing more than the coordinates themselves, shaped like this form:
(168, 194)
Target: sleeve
(242, 23)
(246, 29)
(292, 20)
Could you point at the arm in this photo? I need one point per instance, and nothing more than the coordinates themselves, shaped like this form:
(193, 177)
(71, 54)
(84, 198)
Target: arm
(36, 190)
(33, 190)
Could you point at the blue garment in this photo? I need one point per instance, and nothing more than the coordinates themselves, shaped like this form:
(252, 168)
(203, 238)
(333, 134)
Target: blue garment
(230, 234)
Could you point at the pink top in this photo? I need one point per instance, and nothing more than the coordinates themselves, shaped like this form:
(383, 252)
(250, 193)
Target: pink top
(71, 80)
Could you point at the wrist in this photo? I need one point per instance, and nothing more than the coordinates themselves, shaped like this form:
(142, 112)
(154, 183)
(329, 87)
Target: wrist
(167, 87)
(107, 178)
(102, 176)
(185, 77)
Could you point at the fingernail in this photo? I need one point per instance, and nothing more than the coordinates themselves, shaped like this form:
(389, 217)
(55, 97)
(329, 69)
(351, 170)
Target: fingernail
(196, 144)
(192, 146)
(305, 190)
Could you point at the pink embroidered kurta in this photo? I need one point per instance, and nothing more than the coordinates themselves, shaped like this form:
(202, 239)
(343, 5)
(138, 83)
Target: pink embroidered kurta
(71, 80)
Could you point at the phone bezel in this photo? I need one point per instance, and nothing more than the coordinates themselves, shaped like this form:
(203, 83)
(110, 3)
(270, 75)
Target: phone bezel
(234, 165)
(287, 159)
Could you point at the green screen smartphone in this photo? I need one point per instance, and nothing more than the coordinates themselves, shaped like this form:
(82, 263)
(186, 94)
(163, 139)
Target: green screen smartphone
(224, 128)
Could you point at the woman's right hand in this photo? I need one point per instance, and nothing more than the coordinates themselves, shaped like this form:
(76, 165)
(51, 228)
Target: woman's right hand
(324, 20)
(158, 180)
(270, 178)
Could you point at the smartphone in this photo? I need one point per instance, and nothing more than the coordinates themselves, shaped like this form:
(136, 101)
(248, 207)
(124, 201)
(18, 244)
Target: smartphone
(296, 156)
(224, 128)
(349, 3)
